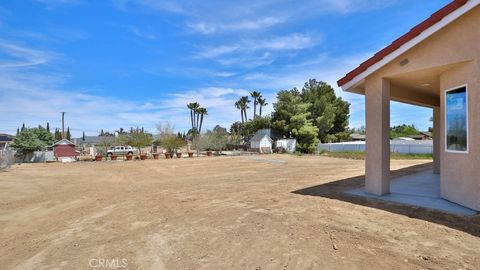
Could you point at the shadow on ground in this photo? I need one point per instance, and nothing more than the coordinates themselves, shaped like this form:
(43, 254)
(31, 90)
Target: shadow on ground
(335, 190)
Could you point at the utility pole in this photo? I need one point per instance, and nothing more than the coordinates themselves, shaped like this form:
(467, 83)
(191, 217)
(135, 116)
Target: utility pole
(63, 125)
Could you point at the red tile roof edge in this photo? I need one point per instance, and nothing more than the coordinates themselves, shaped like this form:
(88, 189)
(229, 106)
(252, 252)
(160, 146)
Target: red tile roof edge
(417, 30)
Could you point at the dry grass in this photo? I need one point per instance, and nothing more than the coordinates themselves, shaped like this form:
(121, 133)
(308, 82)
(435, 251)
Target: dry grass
(221, 213)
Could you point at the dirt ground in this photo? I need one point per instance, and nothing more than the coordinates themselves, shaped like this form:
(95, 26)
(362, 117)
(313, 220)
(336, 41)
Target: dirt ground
(262, 212)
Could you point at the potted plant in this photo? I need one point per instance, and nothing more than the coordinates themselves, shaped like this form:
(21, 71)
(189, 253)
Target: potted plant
(190, 154)
(138, 138)
(98, 157)
(179, 154)
(129, 157)
(213, 140)
(113, 157)
(155, 155)
(170, 141)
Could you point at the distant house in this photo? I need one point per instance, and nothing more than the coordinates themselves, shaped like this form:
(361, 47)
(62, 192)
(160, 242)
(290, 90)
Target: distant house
(270, 132)
(65, 149)
(93, 140)
(287, 145)
(358, 137)
(422, 136)
(5, 140)
(261, 143)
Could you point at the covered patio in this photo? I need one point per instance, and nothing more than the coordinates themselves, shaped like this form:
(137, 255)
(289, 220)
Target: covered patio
(435, 65)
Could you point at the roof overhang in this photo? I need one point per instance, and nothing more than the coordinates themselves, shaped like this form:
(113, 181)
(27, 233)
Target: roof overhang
(437, 21)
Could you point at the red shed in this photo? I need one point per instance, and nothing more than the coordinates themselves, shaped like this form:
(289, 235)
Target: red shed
(65, 148)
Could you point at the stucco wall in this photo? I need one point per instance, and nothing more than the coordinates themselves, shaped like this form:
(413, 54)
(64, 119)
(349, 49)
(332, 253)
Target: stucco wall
(455, 48)
(460, 171)
(458, 42)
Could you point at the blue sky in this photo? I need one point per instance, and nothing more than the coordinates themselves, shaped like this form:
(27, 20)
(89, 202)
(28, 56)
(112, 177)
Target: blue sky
(123, 63)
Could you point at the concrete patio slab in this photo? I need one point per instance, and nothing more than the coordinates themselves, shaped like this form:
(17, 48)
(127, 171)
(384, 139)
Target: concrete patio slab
(421, 189)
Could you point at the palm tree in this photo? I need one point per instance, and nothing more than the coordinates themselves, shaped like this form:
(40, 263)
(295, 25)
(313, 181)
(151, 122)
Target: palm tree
(194, 116)
(238, 105)
(262, 102)
(202, 112)
(244, 104)
(197, 121)
(255, 95)
(191, 107)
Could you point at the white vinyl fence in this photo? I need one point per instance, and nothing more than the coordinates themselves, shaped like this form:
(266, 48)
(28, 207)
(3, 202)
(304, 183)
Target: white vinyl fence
(396, 146)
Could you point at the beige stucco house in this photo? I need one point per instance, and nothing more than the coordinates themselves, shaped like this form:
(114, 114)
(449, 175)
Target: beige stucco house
(436, 65)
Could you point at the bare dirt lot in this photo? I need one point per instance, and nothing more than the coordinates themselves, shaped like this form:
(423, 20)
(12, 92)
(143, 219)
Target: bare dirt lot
(220, 213)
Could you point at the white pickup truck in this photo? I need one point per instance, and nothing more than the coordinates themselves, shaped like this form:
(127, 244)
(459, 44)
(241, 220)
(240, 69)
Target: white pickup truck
(121, 151)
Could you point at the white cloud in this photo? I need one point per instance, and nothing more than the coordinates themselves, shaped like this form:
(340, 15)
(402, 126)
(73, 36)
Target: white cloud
(255, 53)
(37, 104)
(350, 6)
(223, 74)
(23, 56)
(214, 52)
(295, 41)
(246, 8)
(244, 14)
(247, 61)
(31, 96)
(164, 5)
(203, 27)
(253, 24)
(147, 33)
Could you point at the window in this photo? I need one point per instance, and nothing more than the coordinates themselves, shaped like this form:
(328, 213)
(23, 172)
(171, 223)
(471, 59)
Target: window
(456, 119)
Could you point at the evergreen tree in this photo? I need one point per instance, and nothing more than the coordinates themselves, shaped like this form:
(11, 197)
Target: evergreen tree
(288, 104)
(58, 134)
(68, 135)
(83, 136)
(329, 113)
(18, 131)
(43, 135)
(29, 140)
(23, 127)
(48, 126)
(312, 115)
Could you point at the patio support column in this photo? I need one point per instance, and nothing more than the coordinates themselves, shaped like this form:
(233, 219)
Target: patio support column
(377, 167)
(436, 140)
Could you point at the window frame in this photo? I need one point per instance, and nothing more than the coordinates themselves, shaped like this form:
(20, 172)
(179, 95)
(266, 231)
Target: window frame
(466, 115)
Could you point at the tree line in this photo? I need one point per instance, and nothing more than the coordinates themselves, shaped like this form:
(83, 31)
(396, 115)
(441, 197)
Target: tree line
(311, 115)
